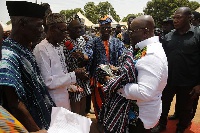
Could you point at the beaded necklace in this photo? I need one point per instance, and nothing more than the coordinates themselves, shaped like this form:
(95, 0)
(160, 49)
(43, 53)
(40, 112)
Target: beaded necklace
(141, 53)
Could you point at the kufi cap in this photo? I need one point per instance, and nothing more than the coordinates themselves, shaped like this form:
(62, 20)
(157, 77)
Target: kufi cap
(72, 18)
(24, 8)
(106, 19)
(47, 9)
(55, 18)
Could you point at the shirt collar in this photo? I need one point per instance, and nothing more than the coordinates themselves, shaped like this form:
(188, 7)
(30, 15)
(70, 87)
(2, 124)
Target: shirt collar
(191, 29)
(146, 42)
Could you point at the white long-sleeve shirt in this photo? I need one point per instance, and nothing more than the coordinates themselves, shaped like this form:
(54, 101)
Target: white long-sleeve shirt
(152, 78)
(51, 62)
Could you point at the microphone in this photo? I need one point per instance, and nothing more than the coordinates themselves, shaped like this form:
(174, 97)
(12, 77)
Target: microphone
(70, 46)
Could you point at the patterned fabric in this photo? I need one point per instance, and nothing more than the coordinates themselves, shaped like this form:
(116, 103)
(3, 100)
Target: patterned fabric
(118, 112)
(71, 62)
(97, 55)
(18, 69)
(55, 18)
(106, 19)
(141, 53)
(10, 124)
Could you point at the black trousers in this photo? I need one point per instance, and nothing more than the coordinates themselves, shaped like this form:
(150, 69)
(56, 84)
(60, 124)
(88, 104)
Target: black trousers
(185, 104)
(195, 104)
(88, 103)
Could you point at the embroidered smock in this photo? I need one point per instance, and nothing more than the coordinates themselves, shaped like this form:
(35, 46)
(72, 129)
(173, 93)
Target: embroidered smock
(18, 69)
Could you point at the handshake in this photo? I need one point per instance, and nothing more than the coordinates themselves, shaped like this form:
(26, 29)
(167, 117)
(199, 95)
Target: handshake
(81, 73)
(105, 72)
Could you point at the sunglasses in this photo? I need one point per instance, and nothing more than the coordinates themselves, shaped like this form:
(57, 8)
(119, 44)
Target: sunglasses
(132, 31)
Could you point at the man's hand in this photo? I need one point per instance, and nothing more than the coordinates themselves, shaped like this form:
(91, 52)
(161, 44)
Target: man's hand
(77, 55)
(81, 73)
(113, 68)
(195, 93)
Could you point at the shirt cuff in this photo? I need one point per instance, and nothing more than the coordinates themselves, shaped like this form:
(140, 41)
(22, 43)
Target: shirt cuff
(73, 77)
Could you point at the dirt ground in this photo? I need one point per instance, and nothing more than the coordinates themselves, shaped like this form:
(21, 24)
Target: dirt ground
(196, 120)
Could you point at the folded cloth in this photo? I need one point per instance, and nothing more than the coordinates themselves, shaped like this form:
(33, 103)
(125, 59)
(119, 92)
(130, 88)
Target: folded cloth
(63, 120)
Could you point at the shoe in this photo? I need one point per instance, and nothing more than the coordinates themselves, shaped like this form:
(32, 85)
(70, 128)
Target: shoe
(158, 128)
(173, 117)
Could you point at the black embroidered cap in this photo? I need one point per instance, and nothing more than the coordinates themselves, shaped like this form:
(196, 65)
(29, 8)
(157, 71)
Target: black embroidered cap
(24, 8)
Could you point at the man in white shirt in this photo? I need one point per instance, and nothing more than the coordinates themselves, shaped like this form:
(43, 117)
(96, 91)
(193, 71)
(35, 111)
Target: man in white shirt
(51, 61)
(152, 71)
(151, 74)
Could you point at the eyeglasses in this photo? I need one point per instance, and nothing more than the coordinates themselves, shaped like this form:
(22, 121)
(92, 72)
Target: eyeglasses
(106, 28)
(132, 31)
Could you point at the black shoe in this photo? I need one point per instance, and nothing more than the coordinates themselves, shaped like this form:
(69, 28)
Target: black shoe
(173, 117)
(158, 128)
(179, 130)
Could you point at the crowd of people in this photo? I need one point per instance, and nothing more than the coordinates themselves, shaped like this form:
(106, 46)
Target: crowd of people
(130, 76)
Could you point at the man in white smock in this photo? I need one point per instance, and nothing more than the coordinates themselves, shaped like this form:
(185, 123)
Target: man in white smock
(51, 61)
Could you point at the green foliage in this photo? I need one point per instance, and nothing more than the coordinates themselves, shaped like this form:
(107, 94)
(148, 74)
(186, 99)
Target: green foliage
(125, 19)
(94, 12)
(160, 9)
(91, 12)
(69, 13)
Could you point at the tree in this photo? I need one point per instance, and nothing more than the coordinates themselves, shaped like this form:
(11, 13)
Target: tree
(94, 12)
(125, 19)
(91, 12)
(69, 13)
(160, 9)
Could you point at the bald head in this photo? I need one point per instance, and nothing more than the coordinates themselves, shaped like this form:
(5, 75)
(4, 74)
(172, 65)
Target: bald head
(184, 11)
(144, 21)
(142, 28)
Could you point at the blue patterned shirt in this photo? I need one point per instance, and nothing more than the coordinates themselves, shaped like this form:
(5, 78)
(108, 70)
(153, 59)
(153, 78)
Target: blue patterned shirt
(97, 53)
(18, 69)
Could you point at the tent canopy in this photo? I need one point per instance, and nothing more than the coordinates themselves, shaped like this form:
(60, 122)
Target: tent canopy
(87, 22)
(198, 10)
